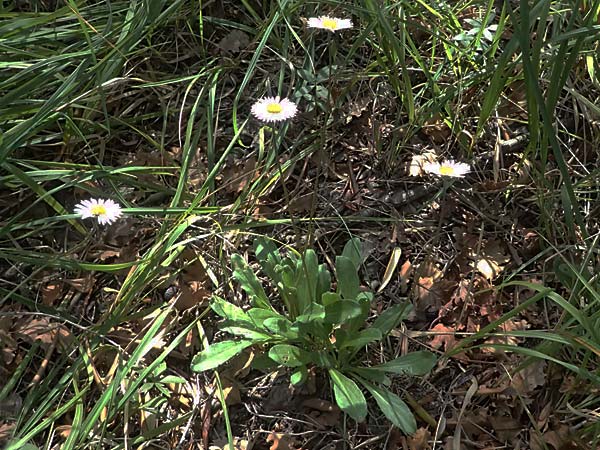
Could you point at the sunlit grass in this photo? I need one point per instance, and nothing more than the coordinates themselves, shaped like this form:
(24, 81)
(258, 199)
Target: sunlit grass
(87, 91)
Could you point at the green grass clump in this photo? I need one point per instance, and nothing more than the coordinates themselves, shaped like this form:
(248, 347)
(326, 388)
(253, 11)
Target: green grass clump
(148, 104)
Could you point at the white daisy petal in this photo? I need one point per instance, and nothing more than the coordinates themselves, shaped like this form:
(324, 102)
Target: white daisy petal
(332, 24)
(106, 211)
(449, 168)
(274, 109)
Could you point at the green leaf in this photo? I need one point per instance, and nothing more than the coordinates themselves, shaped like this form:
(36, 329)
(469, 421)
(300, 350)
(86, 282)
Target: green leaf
(393, 407)
(268, 255)
(342, 311)
(391, 317)
(360, 339)
(372, 375)
(330, 297)
(299, 376)
(174, 379)
(307, 271)
(323, 281)
(347, 277)
(281, 326)
(229, 311)
(217, 354)
(258, 316)
(364, 300)
(415, 363)
(348, 396)
(313, 313)
(322, 359)
(353, 251)
(249, 283)
(245, 332)
(288, 355)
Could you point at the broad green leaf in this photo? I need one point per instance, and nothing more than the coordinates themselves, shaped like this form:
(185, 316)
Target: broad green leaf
(248, 333)
(314, 312)
(322, 359)
(307, 270)
(347, 277)
(364, 300)
(217, 354)
(376, 376)
(174, 379)
(282, 327)
(263, 363)
(391, 317)
(348, 396)
(249, 283)
(330, 297)
(353, 251)
(342, 311)
(268, 255)
(229, 311)
(323, 281)
(258, 316)
(299, 376)
(394, 408)
(288, 355)
(360, 339)
(415, 363)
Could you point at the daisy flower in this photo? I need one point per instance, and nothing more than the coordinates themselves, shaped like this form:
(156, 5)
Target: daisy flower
(106, 211)
(449, 168)
(332, 24)
(274, 109)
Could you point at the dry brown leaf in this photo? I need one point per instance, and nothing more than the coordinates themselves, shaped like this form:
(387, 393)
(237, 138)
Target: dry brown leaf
(415, 169)
(281, 441)
(437, 129)
(8, 345)
(6, 430)
(109, 254)
(51, 292)
(237, 368)
(233, 42)
(531, 377)
(191, 294)
(10, 406)
(325, 414)
(506, 428)
(405, 272)
(303, 203)
(508, 326)
(419, 440)
(491, 258)
(559, 438)
(42, 329)
(236, 176)
(238, 444)
(444, 338)
(64, 430)
(193, 282)
(83, 285)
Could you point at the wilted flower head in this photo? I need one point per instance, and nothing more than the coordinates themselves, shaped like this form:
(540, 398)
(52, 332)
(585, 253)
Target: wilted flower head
(329, 23)
(274, 109)
(449, 168)
(106, 211)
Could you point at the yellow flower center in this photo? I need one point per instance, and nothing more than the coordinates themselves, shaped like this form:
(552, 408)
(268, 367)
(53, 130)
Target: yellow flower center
(330, 24)
(274, 108)
(98, 210)
(447, 170)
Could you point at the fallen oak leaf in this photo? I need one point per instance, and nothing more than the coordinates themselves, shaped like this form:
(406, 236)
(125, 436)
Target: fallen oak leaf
(444, 336)
(324, 413)
(281, 441)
